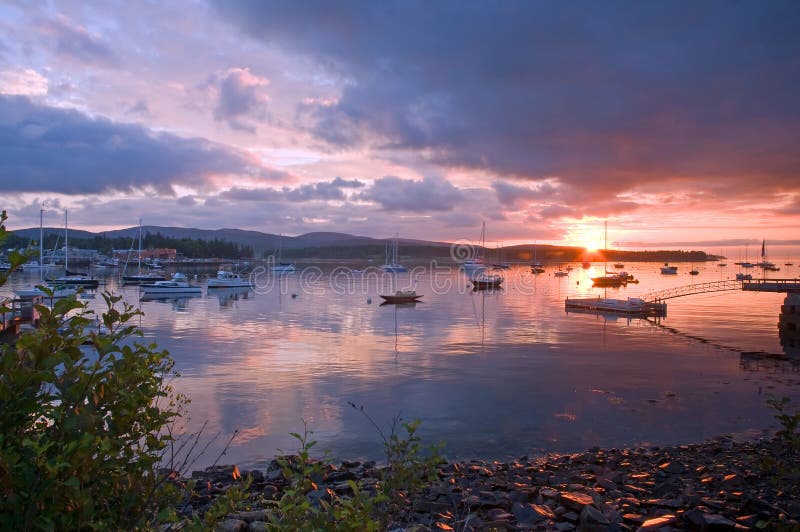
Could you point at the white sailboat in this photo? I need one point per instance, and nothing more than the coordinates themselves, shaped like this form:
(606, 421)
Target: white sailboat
(479, 278)
(140, 277)
(58, 291)
(475, 265)
(536, 266)
(280, 266)
(392, 265)
(73, 278)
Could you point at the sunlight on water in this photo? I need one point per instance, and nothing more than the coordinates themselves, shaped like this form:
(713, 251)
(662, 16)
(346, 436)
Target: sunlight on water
(494, 374)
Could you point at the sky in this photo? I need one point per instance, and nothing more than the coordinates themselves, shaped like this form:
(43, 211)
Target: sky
(677, 122)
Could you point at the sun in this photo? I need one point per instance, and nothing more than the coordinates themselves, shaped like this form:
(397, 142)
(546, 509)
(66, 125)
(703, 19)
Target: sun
(591, 239)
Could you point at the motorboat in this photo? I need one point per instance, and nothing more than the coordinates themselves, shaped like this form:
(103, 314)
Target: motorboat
(177, 285)
(471, 266)
(694, 272)
(629, 306)
(228, 279)
(77, 279)
(611, 280)
(560, 273)
(666, 269)
(619, 265)
(402, 296)
(743, 277)
(484, 280)
(58, 292)
(536, 269)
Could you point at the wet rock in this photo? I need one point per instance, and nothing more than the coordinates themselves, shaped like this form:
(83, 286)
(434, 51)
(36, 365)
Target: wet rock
(591, 516)
(575, 500)
(650, 525)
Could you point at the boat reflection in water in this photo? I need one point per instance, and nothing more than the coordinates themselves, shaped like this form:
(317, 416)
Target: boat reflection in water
(228, 296)
(179, 303)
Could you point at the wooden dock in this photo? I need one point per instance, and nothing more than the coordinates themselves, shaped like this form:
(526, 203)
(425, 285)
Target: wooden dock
(771, 285)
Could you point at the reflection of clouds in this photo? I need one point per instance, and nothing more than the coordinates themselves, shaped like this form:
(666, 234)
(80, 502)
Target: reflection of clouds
(270, 360)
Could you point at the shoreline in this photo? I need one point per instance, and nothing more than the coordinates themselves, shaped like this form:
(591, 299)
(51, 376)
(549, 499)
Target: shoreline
(720, 484)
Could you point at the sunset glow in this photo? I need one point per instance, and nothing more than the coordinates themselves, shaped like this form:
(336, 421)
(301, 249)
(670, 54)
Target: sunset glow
(281, 123)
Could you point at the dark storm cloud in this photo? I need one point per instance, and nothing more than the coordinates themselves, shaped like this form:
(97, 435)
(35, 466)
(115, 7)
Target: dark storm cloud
(511, 194)
(73, 42)
(603, 96)
(429, 194)
(60, 150)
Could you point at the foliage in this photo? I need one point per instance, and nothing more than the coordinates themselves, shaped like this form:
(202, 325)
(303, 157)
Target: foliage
(782, 466)
(296, 511)
(189, 247)
(83, 422)
(15, 259)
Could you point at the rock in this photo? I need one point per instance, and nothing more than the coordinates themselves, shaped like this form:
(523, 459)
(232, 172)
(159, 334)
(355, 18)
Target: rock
(532, 513)
(655, 523)
(673, 468)
(564, 527)
(231, 525)
(269, 491)
(591, 516)
(708, 522)
(248, 517)
(575, 500)
(259, 526)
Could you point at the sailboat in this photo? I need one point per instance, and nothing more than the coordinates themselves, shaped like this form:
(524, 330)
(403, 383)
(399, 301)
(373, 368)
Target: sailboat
(475, 265)
(746, 263)
(58, 291)
(73, 278)
(392, 265)
(282, 267)
(610, 279)
(140, 277)
(536, 266)
(501, 264)
(38, 264)
(480, 279)
(765, 264)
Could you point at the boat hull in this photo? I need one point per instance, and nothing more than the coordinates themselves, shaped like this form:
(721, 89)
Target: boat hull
(401, 299)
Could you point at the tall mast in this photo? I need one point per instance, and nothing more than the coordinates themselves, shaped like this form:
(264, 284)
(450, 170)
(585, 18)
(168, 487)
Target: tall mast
(139, 255)
(41, 240)
(66, 244)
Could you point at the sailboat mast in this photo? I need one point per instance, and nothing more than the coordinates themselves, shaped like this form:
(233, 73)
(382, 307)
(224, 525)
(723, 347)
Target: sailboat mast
(41, 241)
(139, 255)
(66, 244)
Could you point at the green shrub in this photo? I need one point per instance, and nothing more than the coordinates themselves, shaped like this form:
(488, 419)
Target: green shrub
(84, 422)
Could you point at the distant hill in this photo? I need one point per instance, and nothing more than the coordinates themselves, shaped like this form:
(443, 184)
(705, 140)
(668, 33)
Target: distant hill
(260, 242)
(341, 245)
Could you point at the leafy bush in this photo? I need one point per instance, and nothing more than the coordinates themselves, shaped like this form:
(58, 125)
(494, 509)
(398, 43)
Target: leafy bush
(83, 422)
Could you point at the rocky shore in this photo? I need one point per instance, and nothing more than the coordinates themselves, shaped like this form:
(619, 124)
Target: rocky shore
(714, 486)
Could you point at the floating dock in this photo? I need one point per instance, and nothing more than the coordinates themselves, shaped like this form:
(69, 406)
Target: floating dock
(627, 307)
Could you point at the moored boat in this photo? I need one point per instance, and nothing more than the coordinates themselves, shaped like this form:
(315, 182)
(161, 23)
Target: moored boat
(228, 279)
(666, 269)
(177, 285)
(401, 296)
(484, 280)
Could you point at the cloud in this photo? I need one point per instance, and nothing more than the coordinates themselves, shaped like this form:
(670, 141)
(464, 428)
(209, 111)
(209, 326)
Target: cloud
(61, 150)
(605, 99)
(140, 108)
(513, 195)
(25, 82)
(429, 194)
(75, 43)
(241, 101)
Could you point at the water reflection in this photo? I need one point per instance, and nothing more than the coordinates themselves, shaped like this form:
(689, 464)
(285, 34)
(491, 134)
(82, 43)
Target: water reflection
(491, 372)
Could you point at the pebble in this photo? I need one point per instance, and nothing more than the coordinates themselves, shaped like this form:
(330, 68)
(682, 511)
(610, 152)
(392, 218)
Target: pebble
(714, 486)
